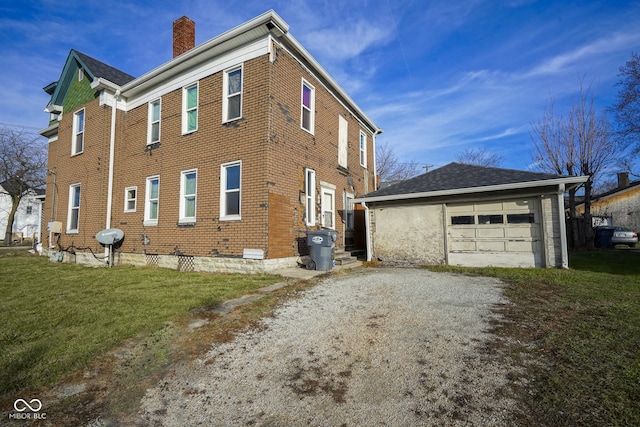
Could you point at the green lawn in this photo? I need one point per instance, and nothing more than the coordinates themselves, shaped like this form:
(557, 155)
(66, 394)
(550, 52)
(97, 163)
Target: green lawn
(582, 328)
(56, 318)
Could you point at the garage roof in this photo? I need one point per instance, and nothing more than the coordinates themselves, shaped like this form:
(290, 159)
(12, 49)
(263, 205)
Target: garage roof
(458, 178)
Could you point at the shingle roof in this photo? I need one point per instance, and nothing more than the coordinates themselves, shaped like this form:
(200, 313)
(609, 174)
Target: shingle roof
(458, 176)
(100, 69)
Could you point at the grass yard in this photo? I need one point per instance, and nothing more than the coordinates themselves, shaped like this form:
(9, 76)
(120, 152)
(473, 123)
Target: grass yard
(57, 318)
(581, 327)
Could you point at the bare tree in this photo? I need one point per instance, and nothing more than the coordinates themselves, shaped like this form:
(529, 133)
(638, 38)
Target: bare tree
(627, 106)
(23, 164)
(479, 157)
(578, 143)
(389, 168)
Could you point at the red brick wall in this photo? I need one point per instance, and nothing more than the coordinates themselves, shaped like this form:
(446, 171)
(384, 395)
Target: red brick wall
(292, 149)
(269, 141)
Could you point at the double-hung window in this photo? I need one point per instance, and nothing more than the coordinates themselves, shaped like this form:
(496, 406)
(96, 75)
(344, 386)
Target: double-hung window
(153, 132)
(230, 190)
(363, 149)
(310, 196)
(73, 218)
(308, 106)
(232, 105)
(190, 109)
(188, 181)
(152, 198)
(77, 145)
(130, 197)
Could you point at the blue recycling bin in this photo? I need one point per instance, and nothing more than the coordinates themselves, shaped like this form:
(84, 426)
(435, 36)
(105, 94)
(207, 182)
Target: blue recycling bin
(321, 244)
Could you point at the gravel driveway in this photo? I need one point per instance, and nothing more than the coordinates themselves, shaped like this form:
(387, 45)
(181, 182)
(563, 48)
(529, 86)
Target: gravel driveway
(389, 347)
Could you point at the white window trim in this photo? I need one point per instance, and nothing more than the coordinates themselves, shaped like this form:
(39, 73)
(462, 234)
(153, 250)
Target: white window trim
(223, 192)
(225, 93)
(127, 200)
(80, 74)
(185, 117)
(363, 150)
(151, 121)
(312, 107)
(183, 219)
(71, 208)
(326, 188)
(147, 201)
(74, 138)
(310, 197)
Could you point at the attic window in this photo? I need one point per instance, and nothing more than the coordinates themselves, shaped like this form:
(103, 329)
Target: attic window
(80, 74)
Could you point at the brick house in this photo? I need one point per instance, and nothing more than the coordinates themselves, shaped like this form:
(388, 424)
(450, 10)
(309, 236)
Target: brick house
(219, 160)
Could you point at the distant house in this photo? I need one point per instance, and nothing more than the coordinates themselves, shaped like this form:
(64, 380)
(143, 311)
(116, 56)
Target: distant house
(28, 218)
(471, 216)
(221, 159)
(620, 206)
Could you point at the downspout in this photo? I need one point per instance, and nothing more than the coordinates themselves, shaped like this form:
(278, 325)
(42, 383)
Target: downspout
(112, 149)
(563, 227)
(367, 227)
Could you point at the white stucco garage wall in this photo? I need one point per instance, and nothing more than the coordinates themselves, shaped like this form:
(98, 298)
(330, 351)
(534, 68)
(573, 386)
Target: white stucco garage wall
(408, 234)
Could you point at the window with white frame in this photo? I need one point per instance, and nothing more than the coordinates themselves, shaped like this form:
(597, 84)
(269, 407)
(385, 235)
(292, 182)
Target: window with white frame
(188, 184)
(152, 199)
(230, 190)
(308, 106)
(73, 218)
(80, 74)
(328, 197)
(153, 131)
(363, 149)
(130, 197)
(77, 144)
(190, 108)
(310, 197)
(232, 105)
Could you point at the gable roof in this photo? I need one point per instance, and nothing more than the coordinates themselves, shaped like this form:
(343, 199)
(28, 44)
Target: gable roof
(93, 68)
(604, 196)
(458, 178)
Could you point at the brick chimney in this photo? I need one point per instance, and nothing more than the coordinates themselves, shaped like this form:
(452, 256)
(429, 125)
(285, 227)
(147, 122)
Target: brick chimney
(623, 179)
(184, 35)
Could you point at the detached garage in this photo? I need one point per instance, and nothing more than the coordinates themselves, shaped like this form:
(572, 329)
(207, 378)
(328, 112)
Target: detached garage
(470, 216)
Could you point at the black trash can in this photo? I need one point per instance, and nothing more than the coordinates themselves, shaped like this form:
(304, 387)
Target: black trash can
(321, 244)
(603, 236)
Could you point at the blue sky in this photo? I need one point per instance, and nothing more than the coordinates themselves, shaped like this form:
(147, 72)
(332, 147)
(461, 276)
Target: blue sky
(438, 76)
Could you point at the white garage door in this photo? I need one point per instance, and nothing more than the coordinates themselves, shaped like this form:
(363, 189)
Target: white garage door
(500, 233)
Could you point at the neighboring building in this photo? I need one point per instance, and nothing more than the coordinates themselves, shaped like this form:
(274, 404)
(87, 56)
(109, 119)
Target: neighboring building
(28, 217)
(472, 216)
(220, 159)
(620, 206)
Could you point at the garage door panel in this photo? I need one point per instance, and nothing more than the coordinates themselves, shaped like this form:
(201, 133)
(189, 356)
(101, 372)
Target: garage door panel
(463, 245)
(518, 205)
(491, 232)
(495, 246)
(522, 232)
(522, 246)
(486, 207)
(463, 233)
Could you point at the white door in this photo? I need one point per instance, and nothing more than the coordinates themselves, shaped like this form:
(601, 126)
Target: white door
(500, 233)
(328, 208)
